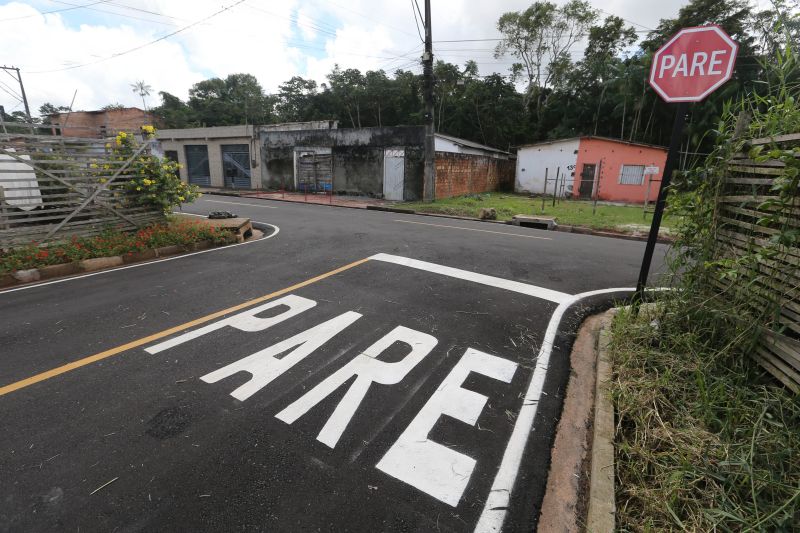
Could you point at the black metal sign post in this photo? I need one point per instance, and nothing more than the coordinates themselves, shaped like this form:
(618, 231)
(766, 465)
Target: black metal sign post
(672, 159)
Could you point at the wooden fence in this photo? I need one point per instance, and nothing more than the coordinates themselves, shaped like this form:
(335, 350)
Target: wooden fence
(776, 284)
(54, 187)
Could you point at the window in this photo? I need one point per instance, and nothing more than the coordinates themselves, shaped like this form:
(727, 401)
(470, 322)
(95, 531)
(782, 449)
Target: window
(631, 175)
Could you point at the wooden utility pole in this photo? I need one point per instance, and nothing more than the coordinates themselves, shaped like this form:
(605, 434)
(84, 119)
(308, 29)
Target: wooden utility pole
(429, 185)
(22, 92)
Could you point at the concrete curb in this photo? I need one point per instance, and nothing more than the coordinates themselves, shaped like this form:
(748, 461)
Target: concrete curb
(62, 270)
(601, 516)
(567, 229)
(570, 486)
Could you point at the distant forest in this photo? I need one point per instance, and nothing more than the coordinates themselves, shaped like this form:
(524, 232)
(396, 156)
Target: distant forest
(603, 92)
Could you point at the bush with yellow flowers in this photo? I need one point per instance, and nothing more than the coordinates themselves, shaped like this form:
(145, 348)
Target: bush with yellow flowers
(156, 181)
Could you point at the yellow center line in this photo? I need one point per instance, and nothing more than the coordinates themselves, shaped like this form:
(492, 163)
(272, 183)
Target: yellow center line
(475, 229)
(53, 372)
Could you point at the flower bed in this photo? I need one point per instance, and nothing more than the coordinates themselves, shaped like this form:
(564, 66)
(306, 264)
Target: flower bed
(113, 243)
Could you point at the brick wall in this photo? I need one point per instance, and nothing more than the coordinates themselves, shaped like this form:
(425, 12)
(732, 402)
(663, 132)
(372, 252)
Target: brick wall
(94, 124)
(460, 174)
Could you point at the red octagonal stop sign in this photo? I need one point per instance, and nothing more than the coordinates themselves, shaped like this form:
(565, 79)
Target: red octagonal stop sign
(693, 64)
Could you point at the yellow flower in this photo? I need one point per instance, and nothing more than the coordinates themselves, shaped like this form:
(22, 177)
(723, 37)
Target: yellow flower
(108, 145)
(93, 165)
(181, 198)
(103, 180)
(119, 141)
(106, 167)
(147, 181)
(138, 188)
(122, 135)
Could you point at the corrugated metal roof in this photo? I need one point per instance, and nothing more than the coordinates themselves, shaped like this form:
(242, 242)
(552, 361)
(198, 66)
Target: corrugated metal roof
(470, 144)
(601, 138)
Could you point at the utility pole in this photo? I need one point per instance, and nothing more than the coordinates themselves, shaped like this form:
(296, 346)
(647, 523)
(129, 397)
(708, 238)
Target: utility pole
(429, 185)
(22, 92)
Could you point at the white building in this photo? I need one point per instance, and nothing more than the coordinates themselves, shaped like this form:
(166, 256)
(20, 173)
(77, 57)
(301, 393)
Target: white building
(536, 161)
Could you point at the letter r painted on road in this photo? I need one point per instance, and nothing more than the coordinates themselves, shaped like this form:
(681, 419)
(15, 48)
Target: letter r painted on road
(431, 467)
(368, 370)
(245, 321)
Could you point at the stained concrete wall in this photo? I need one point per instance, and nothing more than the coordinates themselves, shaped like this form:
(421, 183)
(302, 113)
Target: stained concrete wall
(357, 157)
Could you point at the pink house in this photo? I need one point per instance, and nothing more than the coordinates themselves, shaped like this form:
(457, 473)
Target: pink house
(610, 169)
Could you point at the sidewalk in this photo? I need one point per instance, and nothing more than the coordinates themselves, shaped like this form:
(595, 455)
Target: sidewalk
(358, 202)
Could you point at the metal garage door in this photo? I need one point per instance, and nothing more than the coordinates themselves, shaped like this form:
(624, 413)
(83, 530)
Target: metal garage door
(236, 171)
(197, 164)
(394, 174)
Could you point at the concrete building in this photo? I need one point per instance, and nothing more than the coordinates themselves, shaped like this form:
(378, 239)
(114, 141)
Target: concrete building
(588, 167)
(102, 123)
(224, 156)
(382, 162)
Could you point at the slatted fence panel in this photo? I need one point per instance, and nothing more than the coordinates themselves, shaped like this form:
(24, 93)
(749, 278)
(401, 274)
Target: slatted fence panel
(776, 284)
(73, 186)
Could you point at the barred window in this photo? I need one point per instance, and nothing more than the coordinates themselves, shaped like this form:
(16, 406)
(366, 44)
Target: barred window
(631, 175)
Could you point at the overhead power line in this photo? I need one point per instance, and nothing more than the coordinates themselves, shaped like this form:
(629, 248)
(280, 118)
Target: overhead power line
(74, 6)
(117, 13)
(416, 21)
(136, 48)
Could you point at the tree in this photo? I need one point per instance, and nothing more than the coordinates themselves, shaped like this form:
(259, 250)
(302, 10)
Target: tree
(238, 99)
(295, 99)
(142, 89)
(540, 37)
(173, 112)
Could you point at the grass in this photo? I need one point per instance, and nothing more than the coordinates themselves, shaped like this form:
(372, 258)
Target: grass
(568, 212)
(706, 441)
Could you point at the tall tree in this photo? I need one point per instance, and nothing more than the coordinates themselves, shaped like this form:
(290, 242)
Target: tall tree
(143, 90)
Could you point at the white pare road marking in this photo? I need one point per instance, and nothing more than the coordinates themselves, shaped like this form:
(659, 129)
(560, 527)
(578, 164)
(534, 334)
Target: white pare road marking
(244, 321)
(368, 370)
(496, 506)
(427, 465)
(241, 203)
(265, 366)
(476, 229)
(491, 281)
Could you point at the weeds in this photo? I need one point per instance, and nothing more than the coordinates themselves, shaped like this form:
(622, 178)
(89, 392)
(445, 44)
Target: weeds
(707, 440)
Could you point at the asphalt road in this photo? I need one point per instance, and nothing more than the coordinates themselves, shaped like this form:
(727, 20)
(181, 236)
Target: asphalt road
(356, 371)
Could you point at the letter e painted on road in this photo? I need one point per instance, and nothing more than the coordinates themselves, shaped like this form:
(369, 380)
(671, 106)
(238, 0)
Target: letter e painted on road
(368, 370)
(245, 321)
(265, 366)
(431, 467)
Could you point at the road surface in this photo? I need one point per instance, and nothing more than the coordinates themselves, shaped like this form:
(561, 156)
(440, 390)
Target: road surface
(355, 371)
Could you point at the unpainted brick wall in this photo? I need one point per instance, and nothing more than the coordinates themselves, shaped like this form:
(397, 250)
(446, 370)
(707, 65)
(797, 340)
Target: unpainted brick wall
(460, 174)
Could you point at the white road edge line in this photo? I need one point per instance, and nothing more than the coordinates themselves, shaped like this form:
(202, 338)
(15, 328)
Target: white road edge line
(496, 507)
(240, 203)
(483, 279)
(26, 287)
(475, 229)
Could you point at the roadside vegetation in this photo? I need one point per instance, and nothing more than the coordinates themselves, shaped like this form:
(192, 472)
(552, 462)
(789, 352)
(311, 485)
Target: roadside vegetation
(621, 218)
(706, 440)
(111, 243)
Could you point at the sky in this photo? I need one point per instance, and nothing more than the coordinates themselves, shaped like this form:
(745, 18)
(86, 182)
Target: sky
(93, 50)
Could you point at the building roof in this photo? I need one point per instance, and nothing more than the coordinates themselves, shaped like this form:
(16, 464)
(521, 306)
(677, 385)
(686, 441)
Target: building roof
(211, 132)
(599, 137)
(470, 144)
(98, 111)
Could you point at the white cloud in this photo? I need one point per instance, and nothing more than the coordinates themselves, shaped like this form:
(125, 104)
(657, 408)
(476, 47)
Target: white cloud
(256, 37)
